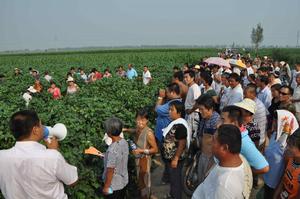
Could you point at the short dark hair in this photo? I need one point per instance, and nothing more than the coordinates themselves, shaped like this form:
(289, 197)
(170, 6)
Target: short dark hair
(191, 73)
(226, 75)
(173, 87)
(291, 90)
(235, 76)
(263, 69)
(143, 112)
(264, 79)
(175, 68)
(294, 139)
(179, 106)
(276, 87)
(206, 101)
(234, 113)
(206, 76)
(252, 87)
(113, 126)
(178, 75)
(22, 122)
(252, 76)
(230, 135)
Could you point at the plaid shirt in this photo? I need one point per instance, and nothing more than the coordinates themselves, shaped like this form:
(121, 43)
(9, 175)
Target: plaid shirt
(208, 125)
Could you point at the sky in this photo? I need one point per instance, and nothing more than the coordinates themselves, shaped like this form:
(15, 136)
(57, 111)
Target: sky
(43, 24)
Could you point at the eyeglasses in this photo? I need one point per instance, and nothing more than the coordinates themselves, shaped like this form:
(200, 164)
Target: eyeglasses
(282, 93)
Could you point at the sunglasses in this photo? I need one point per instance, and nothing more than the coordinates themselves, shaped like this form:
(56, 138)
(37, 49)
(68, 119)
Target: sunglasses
(282, 93)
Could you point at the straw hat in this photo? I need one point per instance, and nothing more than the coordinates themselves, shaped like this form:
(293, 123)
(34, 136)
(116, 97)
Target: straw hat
(197, 67)
(247, 104)
(70, 79)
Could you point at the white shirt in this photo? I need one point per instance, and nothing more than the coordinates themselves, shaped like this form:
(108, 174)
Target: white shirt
(223, 182)
(265, 96)
(48, 78)
(296, 96)
(235, 95)
(250, 70)
(193, 93)
(260, 116)
(29, 170)
(146, 77)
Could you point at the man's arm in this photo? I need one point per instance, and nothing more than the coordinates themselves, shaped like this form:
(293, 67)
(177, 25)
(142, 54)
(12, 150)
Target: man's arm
(108, 179)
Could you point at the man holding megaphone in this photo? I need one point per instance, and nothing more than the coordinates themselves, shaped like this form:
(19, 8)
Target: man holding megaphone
(29, 169)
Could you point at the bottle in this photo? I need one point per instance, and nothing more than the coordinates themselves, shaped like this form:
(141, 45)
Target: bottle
(132, 145)
(110, 191)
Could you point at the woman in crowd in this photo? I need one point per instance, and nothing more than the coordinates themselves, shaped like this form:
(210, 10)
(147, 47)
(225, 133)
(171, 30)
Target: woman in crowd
(54, 90)
(38, 86)
(115, 174)
(206, 129)
(107, 74)
(72, 87)
(176, 140)
(146, 146)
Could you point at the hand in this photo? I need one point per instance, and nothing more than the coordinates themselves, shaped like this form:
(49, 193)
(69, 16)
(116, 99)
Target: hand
(162, 93)
(105, 190)
(52, 143)
(287, 128)
(174, 163)
(138, 151)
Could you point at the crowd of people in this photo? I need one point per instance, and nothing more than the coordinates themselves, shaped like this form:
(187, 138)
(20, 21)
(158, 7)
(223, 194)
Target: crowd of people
(243, 119)
(73, 76)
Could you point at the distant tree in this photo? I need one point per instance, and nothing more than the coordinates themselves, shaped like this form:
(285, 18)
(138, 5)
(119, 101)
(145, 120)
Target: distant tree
(257, 36)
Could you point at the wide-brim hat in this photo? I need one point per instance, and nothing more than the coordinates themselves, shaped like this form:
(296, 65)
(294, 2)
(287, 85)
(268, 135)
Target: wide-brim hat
(247, 104)
(70, 79)
(197, 67)
(31, 89)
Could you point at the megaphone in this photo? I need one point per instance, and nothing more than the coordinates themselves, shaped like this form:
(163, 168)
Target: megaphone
(59, 131)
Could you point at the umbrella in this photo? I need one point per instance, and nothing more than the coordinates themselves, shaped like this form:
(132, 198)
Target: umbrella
(217, 61)
(237, 62)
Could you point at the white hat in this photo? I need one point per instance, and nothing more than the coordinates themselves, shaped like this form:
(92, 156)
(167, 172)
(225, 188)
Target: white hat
(108, 140)
(31, 89)
(247, 104)
(282, 63)
(197, 67)
(70, 79)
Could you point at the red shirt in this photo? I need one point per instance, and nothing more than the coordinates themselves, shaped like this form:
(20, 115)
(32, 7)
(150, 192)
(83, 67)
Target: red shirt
(98, 75)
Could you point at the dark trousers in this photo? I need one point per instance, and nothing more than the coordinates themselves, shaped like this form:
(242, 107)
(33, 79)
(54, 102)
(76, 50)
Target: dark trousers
(268, 192)
(166, 173)
(119, 194)
(175, 180)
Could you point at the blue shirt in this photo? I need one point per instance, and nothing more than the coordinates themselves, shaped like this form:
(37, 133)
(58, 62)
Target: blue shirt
(274, 154)
(131, 73)
(163, 119)
(251, 153)
(265, 96)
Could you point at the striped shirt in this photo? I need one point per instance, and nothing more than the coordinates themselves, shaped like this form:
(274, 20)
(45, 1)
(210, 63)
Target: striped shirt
(260, 116)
